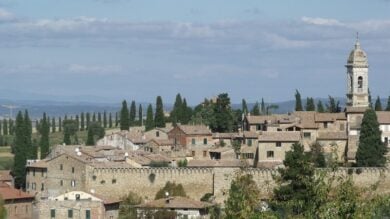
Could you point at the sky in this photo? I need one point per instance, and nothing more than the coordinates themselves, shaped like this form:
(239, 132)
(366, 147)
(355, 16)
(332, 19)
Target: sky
(110, 50)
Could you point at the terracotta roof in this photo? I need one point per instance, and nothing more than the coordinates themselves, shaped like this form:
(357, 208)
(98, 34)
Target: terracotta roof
(283, 136)
(306, 119)
(260, 119)
(195, 129)
(162, 142)
(39, 164)
(175, 203)
(5, 175)
(8, 193)
(332, 136)
(383, 117)
(248, 134)
(329, 117)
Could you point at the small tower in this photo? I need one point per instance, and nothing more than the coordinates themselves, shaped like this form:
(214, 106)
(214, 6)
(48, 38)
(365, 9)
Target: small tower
(357, 72)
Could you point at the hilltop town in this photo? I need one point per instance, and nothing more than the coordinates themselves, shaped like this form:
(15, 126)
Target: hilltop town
(152, 158)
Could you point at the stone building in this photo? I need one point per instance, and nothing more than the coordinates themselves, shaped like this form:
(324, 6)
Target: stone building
(19, 205)
(190, 135)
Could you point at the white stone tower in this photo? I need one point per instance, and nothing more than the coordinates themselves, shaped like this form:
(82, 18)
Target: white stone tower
(357, 72)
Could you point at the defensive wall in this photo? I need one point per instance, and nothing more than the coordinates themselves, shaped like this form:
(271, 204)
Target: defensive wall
(117, 182)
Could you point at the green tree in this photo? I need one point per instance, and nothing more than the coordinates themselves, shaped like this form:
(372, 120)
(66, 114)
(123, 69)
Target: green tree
(28, 135)
(298, 101)
(3, 211)
(59, 124)
(317, 155)
(244, 107)
(371, 150)
(140, 115)
(124, 119)
(256, 109)
(295, 190)
(378, 104)
(88, 119)
(70, 130)
(388, 104)
(369, 98)
(333, 106)
(5, 127)
(95, 131)
(11, 128)
(105, 119)
(320, 107)
(173, 189)
(78, 122)
(110, 120)
(133, 113)
(176, 113)
(149, 123)
(243, 199)
(99, 120)
(159, 119)
(116, 119)
(94, 117)
(82, 121)
(186, 112)
(310, 106)
(53, 125)
(44, 141)
(262, 109)
(126, 207)
(223, 114)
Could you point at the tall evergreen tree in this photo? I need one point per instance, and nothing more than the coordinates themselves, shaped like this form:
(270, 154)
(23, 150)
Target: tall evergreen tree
(59, 124)
(1, 128)
(53, 125)
(369, 98)
(78, 122)
(94, 117)
(176, 113)
(140, 119)
(110, 120)
(88, 119)
(133, 113)
(378, 104)
(186, 112)
(320, 107)
(223, 114)
(256, 109)
(310, 106)
(44, 131)
(90, 138)
(333, 106)
(298, 101)
(116, 119)
(20, 151)
(28, 135)
(149, 123)
(5, 127)
(104, 119)
(124, 119)
(262, 106)
(11, 128)
(388, 104)
(244, 107)
(159, 119)
(82, 121)
(99, 118)
(371, 150)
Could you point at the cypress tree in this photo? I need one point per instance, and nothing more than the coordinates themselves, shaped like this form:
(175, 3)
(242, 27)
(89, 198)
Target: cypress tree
(5, 127)
(262, 109)
(59, 124)
(298, 101)
(378, 104)
(1, 128)
(159, 119)
(186, 112)
(82, 122)
(388, 104)
(53, 125)
(90, 138)
(78, 122)
(133, 113)
(49, 123)
(371, 150)
(320, 107)
(244, 107)
(149, 123)
(110, 120)
(11, 127)
(124, 119)
(66, 117)
(104, 119)
(88, 119)
(223, 114)
(256, 109)
(44, 131)
(99, 118)
(140, 115)
(20, 151)
(94, 117)
(369, 98)
(28, 134)
(116, 119)
(176, 113)
(310, 106)
(333, 106)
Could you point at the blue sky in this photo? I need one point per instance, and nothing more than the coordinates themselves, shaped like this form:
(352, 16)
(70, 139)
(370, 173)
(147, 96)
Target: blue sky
(111, 50)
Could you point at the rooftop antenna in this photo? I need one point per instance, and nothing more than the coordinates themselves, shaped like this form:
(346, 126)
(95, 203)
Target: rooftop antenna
(10, 107)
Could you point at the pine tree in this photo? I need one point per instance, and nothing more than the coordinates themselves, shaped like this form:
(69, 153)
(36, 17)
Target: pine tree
(94, 117)
(124, 119)
(82, 122)
(256, 109)
(378, 104)
(244, 107)
(53, 125)
(223, 114)
(371, 150)
(133, 113)
(320, 107)
(11, 127)
(333, 106)
(310, 106)
(388, 104)
(298, 101)
(159, 119)
(19, 168)
(88, 119)
(140, 115)
(104, 119)
(176, 113)
(149, 123)
(5, 127)
(116, 119)
(44, 131)
(262, 106)
(78, 122)
(28, 135)
(186, 112)
(110, 120)
(90, 138)
(59, 124)
(99, 120)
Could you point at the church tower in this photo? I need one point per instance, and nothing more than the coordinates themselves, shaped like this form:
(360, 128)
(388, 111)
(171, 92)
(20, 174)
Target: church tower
(357, 72)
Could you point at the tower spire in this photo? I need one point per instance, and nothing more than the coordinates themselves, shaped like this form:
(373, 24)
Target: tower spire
(357, 44)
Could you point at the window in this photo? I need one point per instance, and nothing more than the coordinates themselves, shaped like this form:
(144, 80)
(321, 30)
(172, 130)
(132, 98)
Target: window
(72, 169)
(204, 153)
(87, 214)
(113, 181)
(103, 182)
(61, 182)
(278, 144)
(52, 213)
(73, 183)
(193, 141)
(94, 177)
(325, 125)
(205, 141)
(360, 82)
(61, 167)
(249, 142)
(307, 135)
(193, 153)
(279, 129)
(270, 154)
(42, 186)
(77, 197)
(70, 213)
(258, 127)
(157, 134)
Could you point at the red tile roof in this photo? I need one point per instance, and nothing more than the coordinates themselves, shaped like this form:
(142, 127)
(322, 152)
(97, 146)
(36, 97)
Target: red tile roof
(8, 193)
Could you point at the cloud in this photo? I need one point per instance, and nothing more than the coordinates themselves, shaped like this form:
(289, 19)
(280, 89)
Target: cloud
(5, 15)
(95, 69)
(322, 21)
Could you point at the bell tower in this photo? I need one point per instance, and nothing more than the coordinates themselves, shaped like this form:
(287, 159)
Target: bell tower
(357, 77)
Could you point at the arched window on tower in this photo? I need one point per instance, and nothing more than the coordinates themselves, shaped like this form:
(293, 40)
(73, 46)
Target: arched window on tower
(360, 83)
